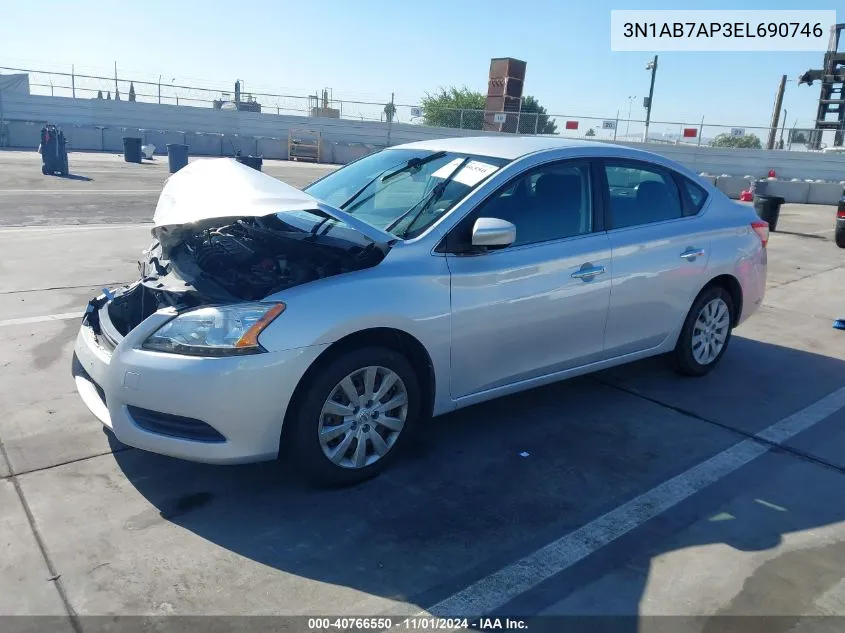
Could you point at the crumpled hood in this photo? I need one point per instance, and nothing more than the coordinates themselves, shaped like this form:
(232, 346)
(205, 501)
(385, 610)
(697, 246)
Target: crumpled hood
(211, 188)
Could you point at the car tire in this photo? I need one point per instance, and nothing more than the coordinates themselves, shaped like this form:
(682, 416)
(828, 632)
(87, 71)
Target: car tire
(310, 420)
(839, 236)
(44, 170)
(706, 333)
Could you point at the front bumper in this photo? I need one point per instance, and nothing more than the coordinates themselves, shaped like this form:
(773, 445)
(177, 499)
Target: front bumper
(243, 399)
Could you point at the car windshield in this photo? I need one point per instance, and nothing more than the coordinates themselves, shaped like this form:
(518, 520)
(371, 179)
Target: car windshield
(397, 189)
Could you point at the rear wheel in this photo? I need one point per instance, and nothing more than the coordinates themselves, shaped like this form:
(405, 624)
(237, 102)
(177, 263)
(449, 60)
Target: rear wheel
(44, 170)
(839, 236)
(706, 333)
(355, 416)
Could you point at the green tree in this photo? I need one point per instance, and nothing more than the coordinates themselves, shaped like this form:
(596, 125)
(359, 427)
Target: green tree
(389, 111)
(131, 91)
(443, 108)
(464, 108)
(544, 125)
(747, 141)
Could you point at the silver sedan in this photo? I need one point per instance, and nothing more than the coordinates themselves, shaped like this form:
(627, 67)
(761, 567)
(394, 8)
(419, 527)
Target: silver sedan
(418, 280)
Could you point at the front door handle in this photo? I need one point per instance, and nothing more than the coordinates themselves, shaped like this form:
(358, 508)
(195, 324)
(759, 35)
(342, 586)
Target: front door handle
(588, 272)
(691, 253)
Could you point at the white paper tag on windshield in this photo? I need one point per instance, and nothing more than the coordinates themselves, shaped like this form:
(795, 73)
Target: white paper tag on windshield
(474, 172)
(447, 169)
(471, 174)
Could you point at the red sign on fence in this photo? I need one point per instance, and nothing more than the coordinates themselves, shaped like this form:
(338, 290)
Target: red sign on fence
(690, 132)
(572, 125)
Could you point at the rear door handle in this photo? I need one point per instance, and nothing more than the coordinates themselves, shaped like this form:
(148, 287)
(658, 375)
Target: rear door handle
(691, 253)
(587, 272)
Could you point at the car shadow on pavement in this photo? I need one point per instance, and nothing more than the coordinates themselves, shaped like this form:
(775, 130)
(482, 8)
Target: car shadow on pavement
(480, 488)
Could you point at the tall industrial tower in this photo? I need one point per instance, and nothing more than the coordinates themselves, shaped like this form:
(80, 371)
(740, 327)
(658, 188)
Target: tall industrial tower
(831, 111)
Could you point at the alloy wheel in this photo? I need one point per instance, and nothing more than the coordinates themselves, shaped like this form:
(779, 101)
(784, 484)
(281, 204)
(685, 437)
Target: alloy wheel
(363, 417)
(710, 331)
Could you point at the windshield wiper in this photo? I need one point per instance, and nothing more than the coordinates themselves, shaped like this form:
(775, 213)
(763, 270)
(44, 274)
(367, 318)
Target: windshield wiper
(390, 172)
(426, 201)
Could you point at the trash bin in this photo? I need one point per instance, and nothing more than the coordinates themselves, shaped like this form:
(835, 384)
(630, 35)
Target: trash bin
(251, 161)
(177, 156)
(53, 148)
(768, 208)
(839, 231)
(132, 149)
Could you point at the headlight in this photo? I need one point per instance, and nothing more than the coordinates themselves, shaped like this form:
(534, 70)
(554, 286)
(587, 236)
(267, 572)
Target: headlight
(215, 331)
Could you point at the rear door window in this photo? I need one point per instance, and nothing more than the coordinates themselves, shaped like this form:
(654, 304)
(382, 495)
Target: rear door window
(640, 193)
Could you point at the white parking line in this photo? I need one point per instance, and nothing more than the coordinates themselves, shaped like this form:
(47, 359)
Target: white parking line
(64, 228)
(64, 191)
(41, 319)
(492, 592)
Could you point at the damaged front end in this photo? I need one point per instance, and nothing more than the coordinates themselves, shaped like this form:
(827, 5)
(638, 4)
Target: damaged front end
(219, 263)
(203, 255)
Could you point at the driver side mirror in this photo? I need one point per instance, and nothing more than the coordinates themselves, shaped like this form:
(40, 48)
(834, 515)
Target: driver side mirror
(493, 233)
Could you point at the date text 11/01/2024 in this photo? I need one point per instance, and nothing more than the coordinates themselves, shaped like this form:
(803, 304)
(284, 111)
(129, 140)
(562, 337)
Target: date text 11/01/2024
(722, 29)
(415, 624)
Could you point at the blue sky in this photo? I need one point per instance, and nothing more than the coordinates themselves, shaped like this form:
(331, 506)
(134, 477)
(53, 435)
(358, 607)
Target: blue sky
(366, 50)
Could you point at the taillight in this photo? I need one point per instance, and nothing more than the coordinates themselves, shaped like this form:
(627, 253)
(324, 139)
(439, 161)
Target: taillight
(840, 213)
(762, 230)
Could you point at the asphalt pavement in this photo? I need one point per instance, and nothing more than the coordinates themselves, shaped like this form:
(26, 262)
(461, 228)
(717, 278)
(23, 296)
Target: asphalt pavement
(657, 502)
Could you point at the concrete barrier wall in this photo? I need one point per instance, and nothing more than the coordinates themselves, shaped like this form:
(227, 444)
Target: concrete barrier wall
(800, 191)
(161, 138)
(344, 139)
(790, 191)
(274, 148)
(200, 144)
(243, 143)
(824, 193)
(23, 134)
(732, 186)
(113, 137)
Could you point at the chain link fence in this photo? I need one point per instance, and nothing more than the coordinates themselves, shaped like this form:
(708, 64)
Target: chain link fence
(167, 90)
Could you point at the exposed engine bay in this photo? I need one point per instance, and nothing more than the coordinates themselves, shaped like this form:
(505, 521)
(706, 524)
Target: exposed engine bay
(230, 260)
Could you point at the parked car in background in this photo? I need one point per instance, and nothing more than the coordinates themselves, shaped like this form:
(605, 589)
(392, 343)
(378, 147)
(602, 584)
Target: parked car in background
(418, 280)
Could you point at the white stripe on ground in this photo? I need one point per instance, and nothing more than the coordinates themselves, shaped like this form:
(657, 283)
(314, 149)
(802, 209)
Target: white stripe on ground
(492, 592)
(64, 191)
(41, 319)
(64, 228)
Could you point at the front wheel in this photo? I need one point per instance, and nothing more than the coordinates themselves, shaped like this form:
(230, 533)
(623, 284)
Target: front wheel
(355, 416)
(706, 333)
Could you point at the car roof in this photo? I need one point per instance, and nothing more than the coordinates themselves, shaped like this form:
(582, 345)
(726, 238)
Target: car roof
(508, 147)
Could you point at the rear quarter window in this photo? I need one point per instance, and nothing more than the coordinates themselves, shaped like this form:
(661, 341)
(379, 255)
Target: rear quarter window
(696, 194)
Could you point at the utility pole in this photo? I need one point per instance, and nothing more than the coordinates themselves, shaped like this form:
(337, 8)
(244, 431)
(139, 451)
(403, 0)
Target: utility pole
(628, 123)
(652, 66)
(776, 113)
(782, 127)
(390, 119)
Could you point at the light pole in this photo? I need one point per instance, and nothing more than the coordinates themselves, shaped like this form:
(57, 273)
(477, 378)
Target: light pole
(628, 124)
(652, 66)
